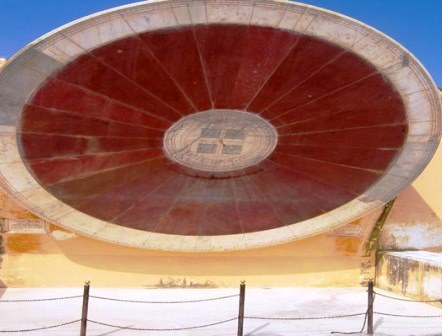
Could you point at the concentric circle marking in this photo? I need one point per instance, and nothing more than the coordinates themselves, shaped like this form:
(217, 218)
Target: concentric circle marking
(220, 140)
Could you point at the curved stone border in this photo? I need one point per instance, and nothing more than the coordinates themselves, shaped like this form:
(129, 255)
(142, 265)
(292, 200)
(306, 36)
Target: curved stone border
(28, 69)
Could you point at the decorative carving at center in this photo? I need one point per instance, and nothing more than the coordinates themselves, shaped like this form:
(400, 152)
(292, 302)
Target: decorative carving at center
(220, 140)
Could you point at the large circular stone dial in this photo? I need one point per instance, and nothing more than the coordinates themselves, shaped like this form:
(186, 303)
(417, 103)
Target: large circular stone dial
(220, 140)
(213, 125)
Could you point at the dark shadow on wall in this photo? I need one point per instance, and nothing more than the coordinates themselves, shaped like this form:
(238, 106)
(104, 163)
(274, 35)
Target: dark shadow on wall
(313, 255)
(196, 266)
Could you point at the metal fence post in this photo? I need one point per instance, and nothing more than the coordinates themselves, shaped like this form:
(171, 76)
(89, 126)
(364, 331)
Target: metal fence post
(370, 308)
(242, 298)
(85, 308)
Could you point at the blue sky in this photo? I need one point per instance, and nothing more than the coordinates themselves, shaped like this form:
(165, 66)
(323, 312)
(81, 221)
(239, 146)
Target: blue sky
(416, 24)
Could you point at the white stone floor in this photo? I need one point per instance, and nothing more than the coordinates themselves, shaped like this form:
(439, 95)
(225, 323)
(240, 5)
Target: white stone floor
(275, 302)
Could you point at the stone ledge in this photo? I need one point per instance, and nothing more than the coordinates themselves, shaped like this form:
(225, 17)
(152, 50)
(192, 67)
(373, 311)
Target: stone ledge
(414, 274)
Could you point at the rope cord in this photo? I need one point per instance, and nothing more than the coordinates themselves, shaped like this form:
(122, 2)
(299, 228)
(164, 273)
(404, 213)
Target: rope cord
(163, 302)
(39, 300)
(40, 328)
(411, 316)
(162, 329)
(302, 318)
(407, 300)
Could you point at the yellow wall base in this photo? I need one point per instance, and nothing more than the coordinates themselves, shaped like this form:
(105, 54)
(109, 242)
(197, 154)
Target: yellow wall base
(42, 261)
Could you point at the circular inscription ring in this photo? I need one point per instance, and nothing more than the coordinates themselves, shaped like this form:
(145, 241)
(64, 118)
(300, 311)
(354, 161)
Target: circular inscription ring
(220, 140)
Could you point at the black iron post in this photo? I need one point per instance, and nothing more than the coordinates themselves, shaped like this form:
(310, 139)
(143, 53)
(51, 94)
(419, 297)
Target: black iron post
(85, 308)
(370, 308)
(242, 298)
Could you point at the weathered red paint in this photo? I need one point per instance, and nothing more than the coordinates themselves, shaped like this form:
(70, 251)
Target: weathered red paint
(92, 133)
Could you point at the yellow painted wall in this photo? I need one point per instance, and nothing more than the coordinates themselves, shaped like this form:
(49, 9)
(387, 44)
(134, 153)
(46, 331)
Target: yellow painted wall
(412, 224)
(429, 183)
(63, 259)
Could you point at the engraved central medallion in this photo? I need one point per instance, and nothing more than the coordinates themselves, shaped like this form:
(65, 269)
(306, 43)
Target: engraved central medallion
(220, 140)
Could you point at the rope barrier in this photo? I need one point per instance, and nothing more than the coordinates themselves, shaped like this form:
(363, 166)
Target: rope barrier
(162, 329)
(353, 332)
(39, 300)
(407, 300)
(298, 318)
(164, 302)
(411, 316)
(41, 328)
(363, 324)
(302, 318)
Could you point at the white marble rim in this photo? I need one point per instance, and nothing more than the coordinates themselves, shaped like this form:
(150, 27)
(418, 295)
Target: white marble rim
(30, 67)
